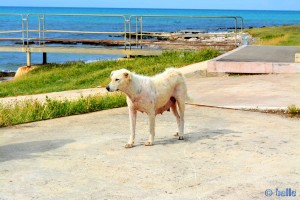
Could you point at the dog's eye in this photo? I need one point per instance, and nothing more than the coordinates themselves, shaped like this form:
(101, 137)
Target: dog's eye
(117, 79)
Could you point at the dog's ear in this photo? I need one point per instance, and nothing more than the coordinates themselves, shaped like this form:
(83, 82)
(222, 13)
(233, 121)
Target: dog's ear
(127, 75)
(111, 74)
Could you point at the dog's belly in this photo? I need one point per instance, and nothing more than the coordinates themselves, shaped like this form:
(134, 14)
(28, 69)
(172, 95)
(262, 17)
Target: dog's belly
(145, 106)
(142, 105)
(166, 107)
(141, 108)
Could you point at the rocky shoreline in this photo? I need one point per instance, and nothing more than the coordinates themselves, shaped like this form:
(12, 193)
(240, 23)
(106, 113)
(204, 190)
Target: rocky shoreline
(6, 76)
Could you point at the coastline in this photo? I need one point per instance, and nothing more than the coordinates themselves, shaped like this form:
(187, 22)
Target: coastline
(5, 79)
(6, 76)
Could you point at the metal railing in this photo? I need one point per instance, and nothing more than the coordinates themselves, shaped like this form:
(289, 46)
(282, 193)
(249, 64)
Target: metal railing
(44, 29)
(40, 29)
(139, 30)
(20, 28)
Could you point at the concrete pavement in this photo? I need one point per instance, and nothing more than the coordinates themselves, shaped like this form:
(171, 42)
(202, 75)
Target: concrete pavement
(262, 92)
(257, 59)
(276, 54)
(226, 154)
(70, 94)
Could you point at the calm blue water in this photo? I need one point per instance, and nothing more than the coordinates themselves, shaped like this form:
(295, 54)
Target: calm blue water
(11, 61)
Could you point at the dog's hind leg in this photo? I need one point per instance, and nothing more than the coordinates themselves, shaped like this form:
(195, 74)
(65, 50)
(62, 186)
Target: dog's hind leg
(150, 141)
(181, 106)
(175, 112)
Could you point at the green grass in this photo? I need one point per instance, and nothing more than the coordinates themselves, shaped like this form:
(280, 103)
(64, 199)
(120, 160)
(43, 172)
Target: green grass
(294, 110)
(30, 111)
(78, 75)
(278, 35)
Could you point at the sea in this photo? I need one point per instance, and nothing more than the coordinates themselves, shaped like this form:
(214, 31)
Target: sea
(82, 19)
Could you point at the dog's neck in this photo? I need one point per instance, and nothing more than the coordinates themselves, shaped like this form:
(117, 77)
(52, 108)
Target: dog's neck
(133, 90)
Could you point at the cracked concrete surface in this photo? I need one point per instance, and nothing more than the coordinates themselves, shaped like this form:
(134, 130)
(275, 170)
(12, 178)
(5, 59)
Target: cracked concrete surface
(226, 154)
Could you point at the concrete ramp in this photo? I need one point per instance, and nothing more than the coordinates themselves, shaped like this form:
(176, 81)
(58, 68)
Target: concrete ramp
(256, 60)
(262, 92)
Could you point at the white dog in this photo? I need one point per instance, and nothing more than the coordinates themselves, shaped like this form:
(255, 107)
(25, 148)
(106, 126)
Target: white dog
(152, 95)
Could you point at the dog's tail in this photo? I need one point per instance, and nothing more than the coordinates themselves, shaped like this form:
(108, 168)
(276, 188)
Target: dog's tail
(177, 72)
(188, 99)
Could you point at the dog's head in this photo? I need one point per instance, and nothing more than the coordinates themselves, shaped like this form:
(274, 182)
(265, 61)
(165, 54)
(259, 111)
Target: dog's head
(119, 80)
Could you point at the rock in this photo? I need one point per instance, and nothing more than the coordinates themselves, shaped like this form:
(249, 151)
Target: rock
(193, 39)
(7, 74)
(4, 79)
(23, 70)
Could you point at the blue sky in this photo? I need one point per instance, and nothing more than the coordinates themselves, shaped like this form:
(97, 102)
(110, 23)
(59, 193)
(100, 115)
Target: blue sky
(189, 4)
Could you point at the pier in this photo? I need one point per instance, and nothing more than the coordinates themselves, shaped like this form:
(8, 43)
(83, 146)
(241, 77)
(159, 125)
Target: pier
(127, 35)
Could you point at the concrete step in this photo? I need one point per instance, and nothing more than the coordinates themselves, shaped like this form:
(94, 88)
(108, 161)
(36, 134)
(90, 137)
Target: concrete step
(256, 60)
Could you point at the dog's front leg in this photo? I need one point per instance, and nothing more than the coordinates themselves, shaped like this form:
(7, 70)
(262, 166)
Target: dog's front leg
(150, 141)
(132, 119)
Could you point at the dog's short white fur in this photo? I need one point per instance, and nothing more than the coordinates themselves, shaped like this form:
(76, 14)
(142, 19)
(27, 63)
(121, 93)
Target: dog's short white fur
(152, 95)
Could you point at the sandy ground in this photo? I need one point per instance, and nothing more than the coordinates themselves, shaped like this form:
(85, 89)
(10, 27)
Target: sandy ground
(226, 154)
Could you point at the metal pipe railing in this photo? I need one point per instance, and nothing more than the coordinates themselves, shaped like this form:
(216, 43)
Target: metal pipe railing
(8, 32)
(42, 30)
(130, 22)
(140, 17)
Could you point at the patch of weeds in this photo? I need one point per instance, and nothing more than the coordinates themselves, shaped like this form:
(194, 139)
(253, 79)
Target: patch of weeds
(34, 110)
(294, 110)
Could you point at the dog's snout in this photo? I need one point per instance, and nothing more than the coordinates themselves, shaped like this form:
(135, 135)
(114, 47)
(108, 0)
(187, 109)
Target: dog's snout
(107, 88)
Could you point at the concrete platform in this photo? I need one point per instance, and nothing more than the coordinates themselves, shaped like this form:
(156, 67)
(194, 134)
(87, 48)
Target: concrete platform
(262, 92)
(257, 59)
(226, 154)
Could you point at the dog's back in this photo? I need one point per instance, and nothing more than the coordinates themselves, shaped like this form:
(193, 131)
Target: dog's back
(170, 83)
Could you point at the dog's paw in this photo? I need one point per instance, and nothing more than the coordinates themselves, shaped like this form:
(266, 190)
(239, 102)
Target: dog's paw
(148, 143)
(176, 134)
(128, 146)
(180, 138)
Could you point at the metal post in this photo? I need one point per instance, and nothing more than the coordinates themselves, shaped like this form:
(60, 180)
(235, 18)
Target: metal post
(125, 32)
(23, 30)
(129, 32)
(242, 24)
(27, 31)
(44, 58)
(39, 23)
(141, 32)
(136, 31)
(28, 56)
(235, 30)
(41, 29)
(44, 43)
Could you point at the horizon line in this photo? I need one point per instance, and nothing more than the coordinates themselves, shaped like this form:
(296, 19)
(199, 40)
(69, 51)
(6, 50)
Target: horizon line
(150, 8)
